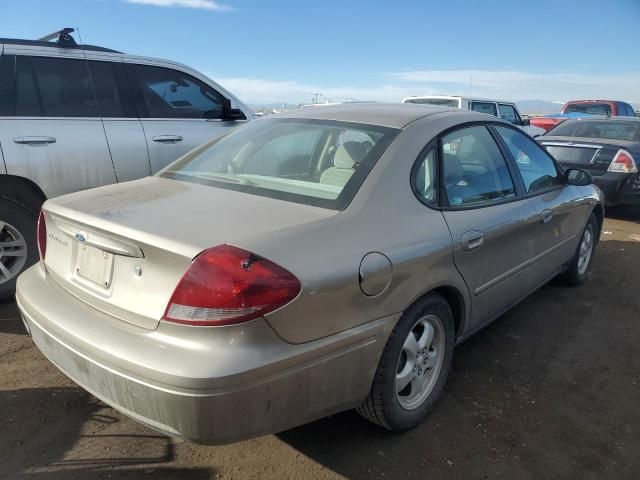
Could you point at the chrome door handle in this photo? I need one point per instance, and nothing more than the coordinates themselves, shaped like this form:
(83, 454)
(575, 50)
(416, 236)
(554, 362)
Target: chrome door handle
(34, 140)
(472, 240)
(167, 138)
(546, 215)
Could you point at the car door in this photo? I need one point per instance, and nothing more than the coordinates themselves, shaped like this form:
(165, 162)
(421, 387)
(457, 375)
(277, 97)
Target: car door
(560, 216)
(50, 129)
(125, 135)
(178, 111)
(490, 223)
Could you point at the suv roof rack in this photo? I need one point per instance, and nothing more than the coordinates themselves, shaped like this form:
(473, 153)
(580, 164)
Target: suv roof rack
(64, 40)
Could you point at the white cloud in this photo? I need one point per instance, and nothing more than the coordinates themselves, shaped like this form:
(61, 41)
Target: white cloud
(515, 85)
(265, 91)
(507, 85)
(200, 4)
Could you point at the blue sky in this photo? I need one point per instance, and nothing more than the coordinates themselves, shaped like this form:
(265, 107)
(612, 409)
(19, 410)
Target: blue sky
(269, 51)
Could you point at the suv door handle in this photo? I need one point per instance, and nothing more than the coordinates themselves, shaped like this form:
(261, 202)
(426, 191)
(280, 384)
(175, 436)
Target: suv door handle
(472, 240)
(167, 138)
(546, 215)
(34, 140)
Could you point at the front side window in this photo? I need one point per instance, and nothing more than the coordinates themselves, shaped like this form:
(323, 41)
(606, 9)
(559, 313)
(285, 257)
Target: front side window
(536, 167)
(508, 112)
(53, 87)
(474, 170)
(317, 162)
(484, 107)
(168, 93)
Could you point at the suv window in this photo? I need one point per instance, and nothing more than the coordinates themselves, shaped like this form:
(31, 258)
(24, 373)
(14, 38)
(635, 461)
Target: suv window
(509, 113)
(484, 107)
(168, 93)
(113, 96)
(536, 167)
(53, 87)
(474, 170)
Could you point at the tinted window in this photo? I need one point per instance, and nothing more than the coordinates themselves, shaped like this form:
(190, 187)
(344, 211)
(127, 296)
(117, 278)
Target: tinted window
(425, 177)
(108, 92)
(589, 108)
(508, 112)
(613, 129)
(7, 97)
(537, 169)
(167, 93)
(474, 170)
(56, 87)
(317, 162)
(484, 107)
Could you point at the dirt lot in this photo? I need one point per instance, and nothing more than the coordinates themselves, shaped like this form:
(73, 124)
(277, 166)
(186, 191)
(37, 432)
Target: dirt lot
(549, 391)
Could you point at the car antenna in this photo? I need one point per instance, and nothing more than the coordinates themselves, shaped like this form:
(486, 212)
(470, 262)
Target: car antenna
(64, 37)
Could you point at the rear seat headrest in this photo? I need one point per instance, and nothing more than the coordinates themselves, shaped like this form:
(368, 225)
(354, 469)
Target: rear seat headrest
(349, 154)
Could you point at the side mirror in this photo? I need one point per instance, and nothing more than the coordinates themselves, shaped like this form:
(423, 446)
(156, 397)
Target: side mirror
(235, 114)
(577, 177)
(526, 122)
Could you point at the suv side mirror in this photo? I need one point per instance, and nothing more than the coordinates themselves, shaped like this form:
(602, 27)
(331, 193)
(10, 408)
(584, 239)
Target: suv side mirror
(526, 122)
(578, 177)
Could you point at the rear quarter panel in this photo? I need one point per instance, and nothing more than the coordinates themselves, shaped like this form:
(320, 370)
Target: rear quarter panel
(384, 217)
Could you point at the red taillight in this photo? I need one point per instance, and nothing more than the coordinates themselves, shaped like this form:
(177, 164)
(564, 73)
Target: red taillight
(42, 235)
(623, 162)
(226, 285)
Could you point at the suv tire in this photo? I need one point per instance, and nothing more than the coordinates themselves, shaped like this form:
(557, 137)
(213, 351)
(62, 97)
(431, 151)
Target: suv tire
(18, 247)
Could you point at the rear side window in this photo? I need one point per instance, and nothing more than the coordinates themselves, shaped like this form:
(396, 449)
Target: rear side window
(111, 91)
(484, 107)
(474, 170)
(424, 181)
(7, 70)
(53, 87)
(536, 167)
(167, 93)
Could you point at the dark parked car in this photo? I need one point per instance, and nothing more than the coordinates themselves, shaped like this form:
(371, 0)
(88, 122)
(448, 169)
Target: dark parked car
(608, 148)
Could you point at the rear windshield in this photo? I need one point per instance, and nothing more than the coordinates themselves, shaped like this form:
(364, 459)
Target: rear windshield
(315, 162)
(612, 129)
(589, 108)
(441, 102)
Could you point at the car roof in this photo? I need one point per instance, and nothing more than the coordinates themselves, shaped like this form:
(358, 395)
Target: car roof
(393, 115)
(603, 118)
(39, 43)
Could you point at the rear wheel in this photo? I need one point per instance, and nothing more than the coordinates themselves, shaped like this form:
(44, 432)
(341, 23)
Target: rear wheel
(18, 248)
(580, 267)
(414, 366)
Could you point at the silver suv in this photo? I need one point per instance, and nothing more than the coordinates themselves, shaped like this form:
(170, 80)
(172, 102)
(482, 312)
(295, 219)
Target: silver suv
(75, 117)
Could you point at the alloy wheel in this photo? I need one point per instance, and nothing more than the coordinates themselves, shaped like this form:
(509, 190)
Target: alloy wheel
(13, 252)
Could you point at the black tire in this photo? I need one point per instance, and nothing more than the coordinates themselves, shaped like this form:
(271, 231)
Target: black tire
(22, 219)
(575, 275)
(383, 406)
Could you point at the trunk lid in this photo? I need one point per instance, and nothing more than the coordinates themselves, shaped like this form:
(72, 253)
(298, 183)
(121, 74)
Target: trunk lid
(591, 154)
(123, 248)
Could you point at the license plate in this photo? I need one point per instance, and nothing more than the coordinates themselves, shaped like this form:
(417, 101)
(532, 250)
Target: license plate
(94, 265)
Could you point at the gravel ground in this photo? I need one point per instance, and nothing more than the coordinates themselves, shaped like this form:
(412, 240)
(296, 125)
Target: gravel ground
(549, 391)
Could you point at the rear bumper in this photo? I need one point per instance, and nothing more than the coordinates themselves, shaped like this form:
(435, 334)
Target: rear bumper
(239, 382)
(619, 188)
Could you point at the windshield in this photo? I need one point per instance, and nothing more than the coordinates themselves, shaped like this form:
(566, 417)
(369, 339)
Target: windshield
(615, 130)
(315, 162)
(441, 102)
(590, 108)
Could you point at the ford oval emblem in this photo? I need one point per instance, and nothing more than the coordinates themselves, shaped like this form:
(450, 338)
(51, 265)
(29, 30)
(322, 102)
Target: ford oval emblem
(81, 237)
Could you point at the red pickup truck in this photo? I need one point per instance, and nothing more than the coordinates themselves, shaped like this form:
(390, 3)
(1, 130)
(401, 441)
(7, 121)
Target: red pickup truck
(574, 108)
